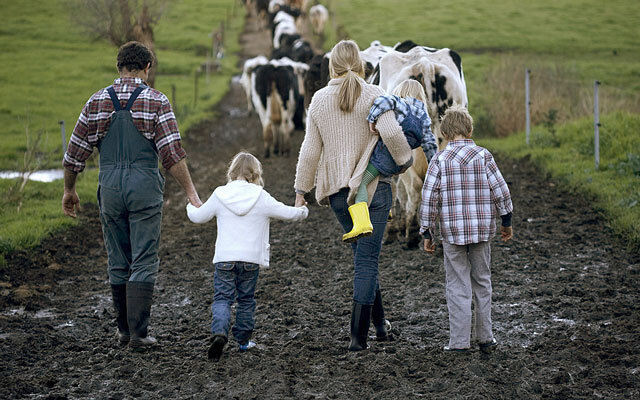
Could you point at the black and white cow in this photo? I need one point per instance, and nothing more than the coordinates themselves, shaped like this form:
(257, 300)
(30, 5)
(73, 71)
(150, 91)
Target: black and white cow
(245, 80)
(293, 47)
(300, 70)
(274, 93)
(283, 23)
(439, 72)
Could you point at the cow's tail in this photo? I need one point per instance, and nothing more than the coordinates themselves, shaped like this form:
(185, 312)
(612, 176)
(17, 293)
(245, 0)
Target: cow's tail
(276, 112)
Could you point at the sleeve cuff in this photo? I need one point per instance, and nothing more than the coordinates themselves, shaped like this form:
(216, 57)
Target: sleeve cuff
(300, 192)
(506, 219)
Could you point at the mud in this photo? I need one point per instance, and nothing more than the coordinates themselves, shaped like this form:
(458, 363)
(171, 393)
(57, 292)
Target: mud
(565, 308)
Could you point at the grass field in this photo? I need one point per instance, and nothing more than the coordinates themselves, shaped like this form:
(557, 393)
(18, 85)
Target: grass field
(51, 67)
(567, 45)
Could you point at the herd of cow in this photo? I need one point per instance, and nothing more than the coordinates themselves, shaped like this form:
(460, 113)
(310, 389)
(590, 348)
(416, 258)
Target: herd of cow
(280, 88)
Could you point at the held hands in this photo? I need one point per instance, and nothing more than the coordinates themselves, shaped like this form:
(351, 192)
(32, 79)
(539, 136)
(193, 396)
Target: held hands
(506, 232)
(70, 203)
(429, 246)
(300, 201)
(195, 201)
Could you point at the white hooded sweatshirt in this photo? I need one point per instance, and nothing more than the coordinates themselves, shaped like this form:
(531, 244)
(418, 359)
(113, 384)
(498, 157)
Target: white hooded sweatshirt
(243, 211)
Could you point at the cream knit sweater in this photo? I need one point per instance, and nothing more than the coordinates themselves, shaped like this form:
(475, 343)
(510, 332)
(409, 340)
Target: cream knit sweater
(337, 145)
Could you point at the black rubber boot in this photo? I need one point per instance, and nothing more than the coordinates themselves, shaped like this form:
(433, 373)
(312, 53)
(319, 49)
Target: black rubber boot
(377, 318)
(217, 345)
(119, 294)
(360, 320)
(139, 297)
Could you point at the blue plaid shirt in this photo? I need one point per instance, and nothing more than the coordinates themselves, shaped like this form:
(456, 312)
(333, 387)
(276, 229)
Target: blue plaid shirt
(402, 107)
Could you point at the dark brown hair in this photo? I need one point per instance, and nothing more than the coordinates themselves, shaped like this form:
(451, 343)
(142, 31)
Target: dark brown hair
(134, 56)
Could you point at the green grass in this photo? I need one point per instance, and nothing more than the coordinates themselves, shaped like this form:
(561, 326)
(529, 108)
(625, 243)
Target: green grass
(568, 156)
(567, 44)
(50, 68)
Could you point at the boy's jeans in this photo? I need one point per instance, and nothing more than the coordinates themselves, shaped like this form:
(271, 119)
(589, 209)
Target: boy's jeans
(468, 274)
(366, 251)
(234, 281)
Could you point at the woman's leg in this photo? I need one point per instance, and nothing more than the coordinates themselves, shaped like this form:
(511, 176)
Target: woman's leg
(367, 254)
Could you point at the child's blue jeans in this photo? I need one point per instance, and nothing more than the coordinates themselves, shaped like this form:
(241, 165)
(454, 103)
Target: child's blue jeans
(233, 281)
(381, 158)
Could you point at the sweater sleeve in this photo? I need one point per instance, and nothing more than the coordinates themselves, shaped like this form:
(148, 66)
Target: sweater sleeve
(205, 213)
(392, 136)
(309, 157)
(279, 210)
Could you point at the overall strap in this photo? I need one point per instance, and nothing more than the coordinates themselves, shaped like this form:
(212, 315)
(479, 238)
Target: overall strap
(134, 96)
(114, 98)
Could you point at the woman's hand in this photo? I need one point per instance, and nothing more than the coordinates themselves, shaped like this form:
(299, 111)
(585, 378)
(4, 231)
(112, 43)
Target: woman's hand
(300, 201)
(372, 128)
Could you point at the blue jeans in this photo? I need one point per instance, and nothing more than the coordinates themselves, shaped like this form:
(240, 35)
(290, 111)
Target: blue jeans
(381, 158)
(366, 251)
(234, 281)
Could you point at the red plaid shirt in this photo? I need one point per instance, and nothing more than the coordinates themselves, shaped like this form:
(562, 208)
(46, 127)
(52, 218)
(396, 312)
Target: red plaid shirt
(152, 116)
(465, 189)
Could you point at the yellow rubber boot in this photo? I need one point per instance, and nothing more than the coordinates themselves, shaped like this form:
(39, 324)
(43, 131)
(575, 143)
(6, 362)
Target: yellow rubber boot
(361, 223)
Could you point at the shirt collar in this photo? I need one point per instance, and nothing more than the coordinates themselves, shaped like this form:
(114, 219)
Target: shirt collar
(460, 143)
(128, 80)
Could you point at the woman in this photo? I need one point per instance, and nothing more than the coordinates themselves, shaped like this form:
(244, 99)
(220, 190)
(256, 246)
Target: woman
(333, 158)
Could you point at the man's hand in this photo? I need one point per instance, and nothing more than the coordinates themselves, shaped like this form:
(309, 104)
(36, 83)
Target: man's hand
(195, 201)
(70, 203)
(506, 232)
(429, 246)
(372, 128)
(300, 201)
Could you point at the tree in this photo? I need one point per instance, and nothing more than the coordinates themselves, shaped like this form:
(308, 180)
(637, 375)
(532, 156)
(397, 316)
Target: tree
(120, 21)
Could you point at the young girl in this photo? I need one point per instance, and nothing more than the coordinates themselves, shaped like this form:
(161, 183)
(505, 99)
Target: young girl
(243, 210)
(408, 103)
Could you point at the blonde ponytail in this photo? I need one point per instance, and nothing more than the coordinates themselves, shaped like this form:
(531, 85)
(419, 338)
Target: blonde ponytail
(345, 62)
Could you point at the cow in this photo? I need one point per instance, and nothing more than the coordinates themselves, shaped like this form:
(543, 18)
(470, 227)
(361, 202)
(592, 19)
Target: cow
(317, 77)
(283, 24)
(274, 92)
(300, 70)
(371, 57)
(245, 80)
(293, 47)
(440, 73)
(319, 15)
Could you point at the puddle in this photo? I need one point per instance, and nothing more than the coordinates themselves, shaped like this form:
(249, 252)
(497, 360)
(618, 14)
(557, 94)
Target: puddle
(15, 311)
(46, 175)
(65, 325)
(44, 314)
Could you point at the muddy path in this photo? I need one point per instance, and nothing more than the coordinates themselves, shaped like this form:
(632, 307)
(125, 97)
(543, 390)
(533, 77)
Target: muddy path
(566, 303)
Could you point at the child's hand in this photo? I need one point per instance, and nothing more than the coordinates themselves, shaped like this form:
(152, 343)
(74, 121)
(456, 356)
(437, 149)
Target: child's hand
(429, 246)
(372, 128)
(506, 232)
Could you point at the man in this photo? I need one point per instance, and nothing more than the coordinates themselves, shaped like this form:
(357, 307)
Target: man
(132, 125)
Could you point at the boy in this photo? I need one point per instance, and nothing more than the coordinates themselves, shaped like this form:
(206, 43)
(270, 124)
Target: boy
(465, 191)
